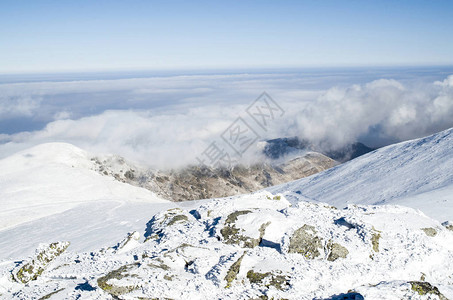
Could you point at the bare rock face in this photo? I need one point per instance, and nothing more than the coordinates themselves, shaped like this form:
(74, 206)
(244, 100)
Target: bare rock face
(430, 231)
(336, 251)
(233, 271)
(201, 182)
(426, 289)
(116, 290)
(305, 241)
(269, 279)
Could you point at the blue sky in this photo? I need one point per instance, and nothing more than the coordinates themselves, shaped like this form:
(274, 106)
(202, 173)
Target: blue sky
(47, 36)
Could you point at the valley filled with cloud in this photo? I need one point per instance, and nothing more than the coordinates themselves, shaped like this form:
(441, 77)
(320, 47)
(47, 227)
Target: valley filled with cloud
(153, 120)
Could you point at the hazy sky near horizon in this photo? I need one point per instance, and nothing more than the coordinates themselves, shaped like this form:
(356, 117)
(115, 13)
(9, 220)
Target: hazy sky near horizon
(48, 36)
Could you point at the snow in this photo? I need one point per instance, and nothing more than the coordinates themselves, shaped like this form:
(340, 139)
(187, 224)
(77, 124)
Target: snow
(52, 178)
(192, 259)
(111, 218)
(126, 242)
(416, 173)
(51, 192)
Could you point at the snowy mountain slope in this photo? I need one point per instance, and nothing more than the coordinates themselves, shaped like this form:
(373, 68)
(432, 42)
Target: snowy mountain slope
(416, 173)
(55, 192)
(87, 226)
(249, 247)
(51, 178)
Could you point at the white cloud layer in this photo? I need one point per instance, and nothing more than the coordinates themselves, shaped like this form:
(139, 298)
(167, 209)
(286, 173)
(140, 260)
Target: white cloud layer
(385, 106)
(18, 106)
(167, 122)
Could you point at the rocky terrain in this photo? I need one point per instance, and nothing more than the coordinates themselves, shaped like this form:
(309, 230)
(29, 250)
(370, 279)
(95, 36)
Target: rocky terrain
(201, 182)
(257, 246)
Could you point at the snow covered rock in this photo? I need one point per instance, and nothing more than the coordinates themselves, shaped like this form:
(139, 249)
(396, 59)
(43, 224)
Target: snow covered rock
(307, 251)
(45, 254)
(131, 241)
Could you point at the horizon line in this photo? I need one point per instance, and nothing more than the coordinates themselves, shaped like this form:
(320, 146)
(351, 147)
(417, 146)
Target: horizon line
(222, 69)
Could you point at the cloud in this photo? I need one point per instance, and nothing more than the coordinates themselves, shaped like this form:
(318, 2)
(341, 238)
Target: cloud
(18, 106)
(169, 122)
(43, 102)
(387, 109)
(162, 141)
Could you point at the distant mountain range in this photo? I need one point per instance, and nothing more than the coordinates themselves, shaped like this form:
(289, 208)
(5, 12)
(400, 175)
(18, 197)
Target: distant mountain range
(290, 146)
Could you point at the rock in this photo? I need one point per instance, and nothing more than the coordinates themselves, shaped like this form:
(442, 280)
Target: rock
(163, 220)
(232, 218)
(129, 175)
(448, 225)
(34, 268)
(304, 241)
(158, 263)
(178, 219)
(233, 235)
(168, 277)
(118, 274)
(202, 182)
(424, 288)
(336, 251)
(129, 242)
(268, 279)
(233, 271)
(375, 236)
(430, 231)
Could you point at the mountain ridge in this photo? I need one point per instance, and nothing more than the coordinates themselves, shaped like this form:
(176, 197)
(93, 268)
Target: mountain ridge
(53, 177)
(202, 182)
(387, 176)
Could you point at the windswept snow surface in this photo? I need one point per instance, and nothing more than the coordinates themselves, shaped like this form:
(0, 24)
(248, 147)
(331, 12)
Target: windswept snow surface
(52, 191)
(416, 173)
(249, 247)
(54, 177)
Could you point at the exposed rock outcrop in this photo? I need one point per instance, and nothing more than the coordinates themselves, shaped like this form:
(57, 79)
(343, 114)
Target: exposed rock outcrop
(32, 269)
(201, 182)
